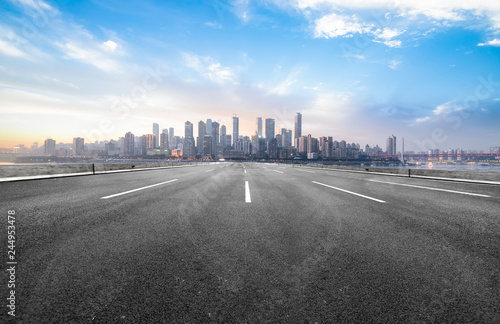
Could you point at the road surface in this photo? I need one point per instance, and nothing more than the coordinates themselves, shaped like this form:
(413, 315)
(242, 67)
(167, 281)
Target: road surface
(253, 243)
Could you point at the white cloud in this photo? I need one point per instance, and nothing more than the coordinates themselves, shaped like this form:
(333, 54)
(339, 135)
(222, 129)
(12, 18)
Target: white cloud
(447, 108)
(388, 33)
(9, 49)
(384, 20)
(283, 88)
(494, 42)
(422, 120)
(88, 56)
(435, 13)
(209, 68)
(213, 24)
(390, 43)
(331, 104)
(356, 56)
(109, 46)
(37, 5)
(334, 25)
(394, 64)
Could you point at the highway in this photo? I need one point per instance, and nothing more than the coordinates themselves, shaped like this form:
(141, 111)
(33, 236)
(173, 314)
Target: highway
(254, 243)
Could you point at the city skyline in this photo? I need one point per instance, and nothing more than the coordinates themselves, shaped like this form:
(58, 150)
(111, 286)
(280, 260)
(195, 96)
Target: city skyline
(358, 70)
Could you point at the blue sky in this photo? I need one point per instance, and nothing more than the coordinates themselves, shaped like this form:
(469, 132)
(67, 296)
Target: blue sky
(359, 71)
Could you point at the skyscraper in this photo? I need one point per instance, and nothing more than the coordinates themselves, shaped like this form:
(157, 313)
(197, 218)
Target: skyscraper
(78, 145)
(151, 141)
(209, 126)
(202, 131)
(188, 129)
(236, 132)
(171, 136)
(269, 128)
(128, 149)
(259, 126)
(215, 137)
(156, 132)
(298, 129)
(207, 146)
(164, 141)
(391, 145)
(188, 149)
(50, 147)
(286, 136)
(143, 147)
(223, 138)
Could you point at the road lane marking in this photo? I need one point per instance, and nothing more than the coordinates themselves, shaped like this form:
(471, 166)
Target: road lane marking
(245, 171)
(430, 188)
(129, 191)
(306, 171)
(277, 171)
(209, 170)
(247, 193)
(350, 192)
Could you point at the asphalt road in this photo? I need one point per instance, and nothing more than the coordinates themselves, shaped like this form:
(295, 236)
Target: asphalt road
(253, 243)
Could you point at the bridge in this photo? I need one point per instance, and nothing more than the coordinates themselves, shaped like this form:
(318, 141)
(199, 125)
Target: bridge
(235, 242)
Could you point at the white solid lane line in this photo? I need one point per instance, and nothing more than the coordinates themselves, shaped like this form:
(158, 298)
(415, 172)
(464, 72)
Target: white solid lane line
(209, 170)
(247, 193)
(350, 192)
(430, 188)
(126, 192)
(277, 171)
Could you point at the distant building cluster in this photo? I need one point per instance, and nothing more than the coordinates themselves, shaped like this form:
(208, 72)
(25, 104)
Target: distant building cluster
(212, 141)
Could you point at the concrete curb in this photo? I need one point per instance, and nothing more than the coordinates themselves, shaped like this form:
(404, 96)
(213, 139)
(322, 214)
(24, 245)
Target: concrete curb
(65, 175)
(409, 176)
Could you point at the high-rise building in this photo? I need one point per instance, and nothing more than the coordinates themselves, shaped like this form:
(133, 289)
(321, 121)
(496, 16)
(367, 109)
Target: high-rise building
(269, 128)
(164, 146)
(312, 144)
(298, 129)
(171, 136)
(391, 145)
(188, 149)
(202, 131)
(215, 137)
(128, 147)
(207, 146)
(302, 145)
(223, 138)
(255, 144)
(247, 145)
(49, 147)
(286, 137)
(151, 141)
(258, 146)
(258, 127)
(188, 129)
(209, 126)
(156, 132)
(279, 140)
(272, 149)
(236, 132)
(143, 146)
(78, 145)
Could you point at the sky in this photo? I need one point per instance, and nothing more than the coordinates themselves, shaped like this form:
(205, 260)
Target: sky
(428, 71)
